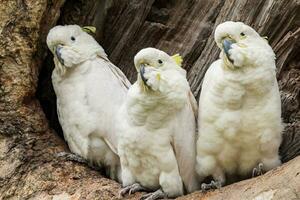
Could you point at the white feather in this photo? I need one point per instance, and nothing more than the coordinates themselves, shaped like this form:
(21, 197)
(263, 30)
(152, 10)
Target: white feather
(239, 109)
(157, 128)
(89, 94)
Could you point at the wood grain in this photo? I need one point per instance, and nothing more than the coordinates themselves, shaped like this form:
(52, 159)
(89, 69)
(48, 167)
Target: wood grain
(29, 168)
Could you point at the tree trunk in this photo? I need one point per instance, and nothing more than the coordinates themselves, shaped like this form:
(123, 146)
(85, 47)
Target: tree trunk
(281, 183)
(29, 167)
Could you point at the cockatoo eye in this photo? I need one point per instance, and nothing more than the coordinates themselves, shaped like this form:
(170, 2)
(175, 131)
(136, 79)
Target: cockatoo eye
(160, 61)
(73, 38)
(242, 35)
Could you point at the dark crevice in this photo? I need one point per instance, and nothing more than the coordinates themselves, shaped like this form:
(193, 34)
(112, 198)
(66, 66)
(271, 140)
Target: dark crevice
(46, 95)
(160, 11)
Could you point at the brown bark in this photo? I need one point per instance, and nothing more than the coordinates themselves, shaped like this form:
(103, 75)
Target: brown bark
(29, 167)
(280, 184)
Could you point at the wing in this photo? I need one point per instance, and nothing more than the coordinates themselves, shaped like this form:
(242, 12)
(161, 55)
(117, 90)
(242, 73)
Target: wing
(210, 75)
(111, 139)
(112, 96)
(112, 146)
(184, 145)
(194, 104)
(121, 76)
(118, 73)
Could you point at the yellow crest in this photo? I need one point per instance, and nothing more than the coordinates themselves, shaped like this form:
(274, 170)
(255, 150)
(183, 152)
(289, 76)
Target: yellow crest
(266, 38)
(89, 29)
(178, 59)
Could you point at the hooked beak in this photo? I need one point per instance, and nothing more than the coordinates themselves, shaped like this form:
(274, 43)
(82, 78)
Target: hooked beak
(142, 71)
(227, 45)
(58, 54)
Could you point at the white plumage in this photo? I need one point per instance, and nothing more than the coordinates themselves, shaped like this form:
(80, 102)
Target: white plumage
(89, 90)
(239, 109)
(157, 127)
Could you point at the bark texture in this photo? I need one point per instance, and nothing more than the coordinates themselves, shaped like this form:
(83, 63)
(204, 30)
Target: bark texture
(29, 168)
(279, 184)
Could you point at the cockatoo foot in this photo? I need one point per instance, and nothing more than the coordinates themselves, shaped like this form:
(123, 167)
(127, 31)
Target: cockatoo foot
(131, 189)
(257, 171)
(212, 185)
(72, 157)
(76, 158)
(158, 194)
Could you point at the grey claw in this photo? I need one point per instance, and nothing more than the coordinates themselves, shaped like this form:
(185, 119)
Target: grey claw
(131, 189)
(135, 188)
(257, 171)
(254, 172)
(158, 194)
(260, 166)
(71, 157)
(123, 191)
(205, 187)
(212, 185)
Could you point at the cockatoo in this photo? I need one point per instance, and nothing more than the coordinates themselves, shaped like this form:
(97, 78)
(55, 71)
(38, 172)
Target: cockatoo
(239, 110)
(89, 90)
(157, 141)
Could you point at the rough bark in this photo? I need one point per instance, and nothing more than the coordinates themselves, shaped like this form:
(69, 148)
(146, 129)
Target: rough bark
(29, 167)
(281, 183)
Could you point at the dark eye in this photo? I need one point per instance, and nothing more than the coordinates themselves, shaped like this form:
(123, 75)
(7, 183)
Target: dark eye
(160, 61)
(72, 38)
(242, 34)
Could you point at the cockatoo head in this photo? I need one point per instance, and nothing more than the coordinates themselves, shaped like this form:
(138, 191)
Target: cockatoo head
(241, 46)
(71, 45)
(154, 65)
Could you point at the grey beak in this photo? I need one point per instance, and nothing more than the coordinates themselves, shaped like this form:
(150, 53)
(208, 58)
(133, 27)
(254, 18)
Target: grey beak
(58, 54)
(142, 71)
(227, 45)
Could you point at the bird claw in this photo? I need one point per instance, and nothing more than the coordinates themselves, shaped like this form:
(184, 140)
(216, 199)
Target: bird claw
(76, 158)
(71, 157)
(158, 194)
(257, 171)
(212, 185)
(131, 189)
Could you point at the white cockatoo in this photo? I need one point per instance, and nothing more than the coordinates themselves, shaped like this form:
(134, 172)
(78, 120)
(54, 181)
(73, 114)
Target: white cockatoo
(89, 90)
(239, 110)
(157, 141)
